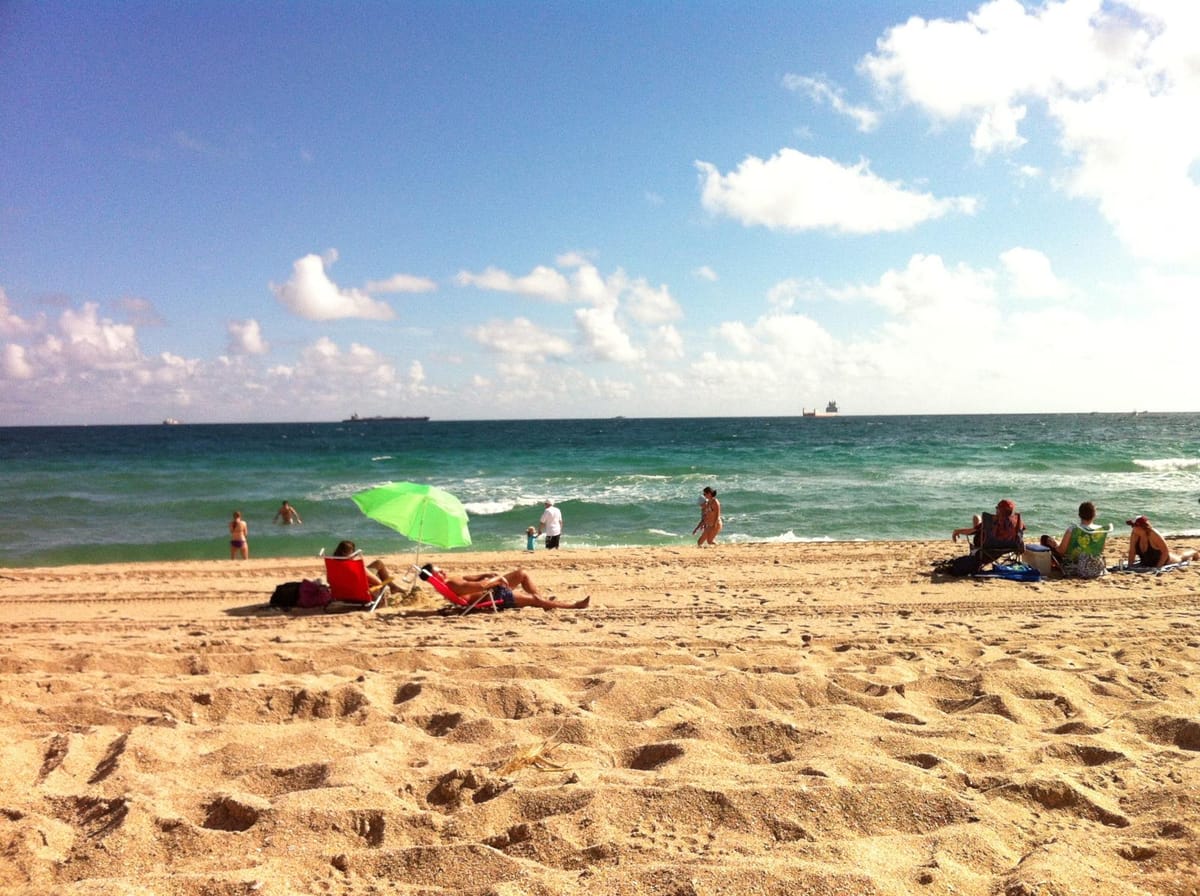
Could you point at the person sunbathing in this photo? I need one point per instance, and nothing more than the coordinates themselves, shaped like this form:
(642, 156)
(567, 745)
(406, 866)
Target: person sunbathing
(1148, 548)
(514, 589)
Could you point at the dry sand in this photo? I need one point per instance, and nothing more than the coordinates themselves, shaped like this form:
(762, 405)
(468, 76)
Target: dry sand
(750, 719)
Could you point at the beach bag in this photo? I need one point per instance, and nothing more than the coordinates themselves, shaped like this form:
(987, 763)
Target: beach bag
(286, 595)
(313, 594)
(966, 565)
(1016, 572)
(1089, 567)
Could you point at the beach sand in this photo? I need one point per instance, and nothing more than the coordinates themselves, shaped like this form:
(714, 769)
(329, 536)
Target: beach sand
(749, 719)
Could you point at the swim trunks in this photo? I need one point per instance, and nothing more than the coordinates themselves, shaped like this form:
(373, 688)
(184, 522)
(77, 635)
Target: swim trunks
(237, 543)
(503, 594)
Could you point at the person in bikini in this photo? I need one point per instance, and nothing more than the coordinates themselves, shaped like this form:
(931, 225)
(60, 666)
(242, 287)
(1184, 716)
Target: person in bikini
(239, 537)
(1148, 548)
(710, 519)
(503, 587)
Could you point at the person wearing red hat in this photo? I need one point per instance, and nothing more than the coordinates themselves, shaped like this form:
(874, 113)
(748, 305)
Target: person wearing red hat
(1148, 548)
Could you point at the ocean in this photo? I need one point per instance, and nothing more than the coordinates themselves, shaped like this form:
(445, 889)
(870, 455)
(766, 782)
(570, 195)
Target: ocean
(130, 493)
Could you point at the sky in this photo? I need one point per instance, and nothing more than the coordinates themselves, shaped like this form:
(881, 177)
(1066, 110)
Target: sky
(295, 211)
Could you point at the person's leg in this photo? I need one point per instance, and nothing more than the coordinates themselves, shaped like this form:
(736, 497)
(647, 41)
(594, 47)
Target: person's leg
(528, 600)
(1055, 548)
(519, 578)
(378, 573)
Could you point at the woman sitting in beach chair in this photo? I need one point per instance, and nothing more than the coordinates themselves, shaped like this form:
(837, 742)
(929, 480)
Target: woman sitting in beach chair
(993, 537)
(1081, 550)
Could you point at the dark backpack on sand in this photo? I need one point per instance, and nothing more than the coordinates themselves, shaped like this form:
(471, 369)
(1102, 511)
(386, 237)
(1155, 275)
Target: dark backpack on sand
(966, 565)
(286, 595)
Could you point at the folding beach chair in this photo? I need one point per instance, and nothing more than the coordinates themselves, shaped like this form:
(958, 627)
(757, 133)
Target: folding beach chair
(1085, 552)
(1000, 538)
(463, 605)
(349, 582)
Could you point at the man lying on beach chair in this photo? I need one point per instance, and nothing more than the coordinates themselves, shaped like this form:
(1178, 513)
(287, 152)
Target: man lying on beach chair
(488, 590)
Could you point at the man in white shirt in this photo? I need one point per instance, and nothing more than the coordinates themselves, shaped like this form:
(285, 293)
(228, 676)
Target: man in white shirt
(551, 523)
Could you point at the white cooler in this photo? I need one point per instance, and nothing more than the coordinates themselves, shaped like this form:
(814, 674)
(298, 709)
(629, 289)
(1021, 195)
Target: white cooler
(1039, 558)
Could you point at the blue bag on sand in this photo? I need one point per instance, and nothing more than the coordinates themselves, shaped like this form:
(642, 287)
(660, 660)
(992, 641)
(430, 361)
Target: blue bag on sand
(1018, 572)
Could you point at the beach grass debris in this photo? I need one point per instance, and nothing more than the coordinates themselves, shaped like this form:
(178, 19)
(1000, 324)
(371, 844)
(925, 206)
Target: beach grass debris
(536, 756)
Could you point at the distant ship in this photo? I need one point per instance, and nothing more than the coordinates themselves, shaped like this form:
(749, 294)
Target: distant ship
(170, 421)
(354, 418)
(831, 410)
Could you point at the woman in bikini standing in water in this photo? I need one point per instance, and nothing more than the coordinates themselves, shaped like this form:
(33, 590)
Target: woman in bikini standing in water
(710, 518)
(239, 537)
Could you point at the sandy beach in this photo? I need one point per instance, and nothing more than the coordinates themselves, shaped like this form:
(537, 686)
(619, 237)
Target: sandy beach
(750, 719)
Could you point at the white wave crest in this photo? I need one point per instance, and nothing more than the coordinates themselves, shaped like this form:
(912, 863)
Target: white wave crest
(1167, 464)
(488, 508)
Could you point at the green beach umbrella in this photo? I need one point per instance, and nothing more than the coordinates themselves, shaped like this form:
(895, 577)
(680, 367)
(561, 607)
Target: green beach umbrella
(424, 513)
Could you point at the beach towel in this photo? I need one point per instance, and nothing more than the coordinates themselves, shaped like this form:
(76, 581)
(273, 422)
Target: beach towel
(1142, 568)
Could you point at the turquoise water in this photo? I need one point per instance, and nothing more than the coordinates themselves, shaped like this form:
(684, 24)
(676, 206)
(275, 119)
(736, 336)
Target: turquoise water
(97, 494)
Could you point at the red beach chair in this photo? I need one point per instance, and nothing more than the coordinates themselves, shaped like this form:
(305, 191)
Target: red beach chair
(349, 583)
(482, 601)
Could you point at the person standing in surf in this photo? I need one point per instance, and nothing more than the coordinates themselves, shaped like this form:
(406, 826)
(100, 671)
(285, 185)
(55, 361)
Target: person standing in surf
(710, 518)
(239, 537)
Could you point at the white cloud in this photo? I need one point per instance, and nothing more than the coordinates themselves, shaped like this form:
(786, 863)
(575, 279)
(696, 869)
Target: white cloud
(245, 338)
(10, 323)
(1119, 81)
(401, 283)
(542, 282)
(604, 337)
(16, 364)
(97, 342)
(650, 305)
(668, 343)
(822, 91)
(313, 296)
(997, 129)
(520, 338)
(704, 272)
(795, 191)
(1031, 274)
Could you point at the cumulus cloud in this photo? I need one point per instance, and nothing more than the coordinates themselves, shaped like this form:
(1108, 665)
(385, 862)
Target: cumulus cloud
(1031, 274)
(796, 191)
(16, 364)
(822, 90)
(604, 338)
(312, 295)
(10, 323)
(704, 272)
(401, 283)
(520, 337)
(541, 283)
(95, 341)
(245, 338)
(614, 307)
(1120, 82)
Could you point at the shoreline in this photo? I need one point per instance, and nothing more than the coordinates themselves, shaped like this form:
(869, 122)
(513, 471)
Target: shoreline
(747, 718)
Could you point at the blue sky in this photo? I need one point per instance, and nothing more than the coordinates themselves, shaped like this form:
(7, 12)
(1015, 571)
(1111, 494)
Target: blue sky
(292, 211)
